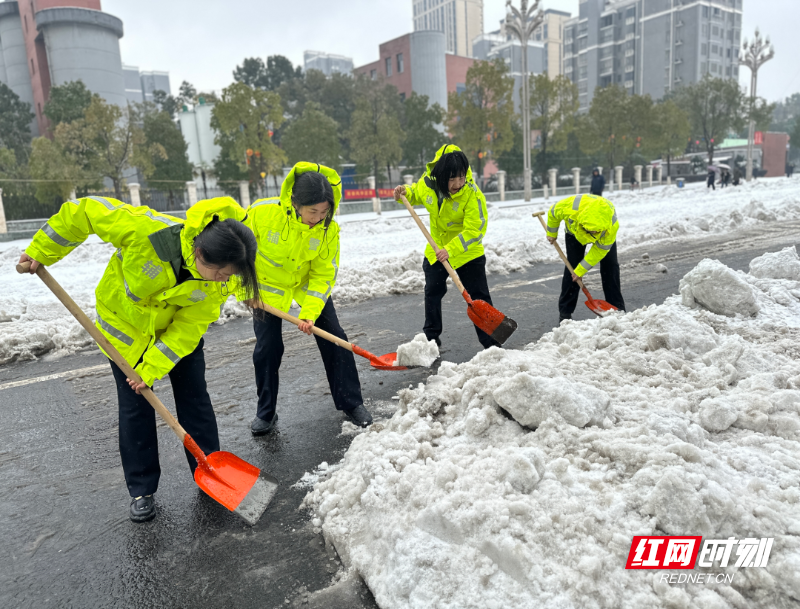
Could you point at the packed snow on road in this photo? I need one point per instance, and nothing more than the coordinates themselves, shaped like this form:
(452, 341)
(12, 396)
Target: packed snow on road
(383, 255)
(519, 478)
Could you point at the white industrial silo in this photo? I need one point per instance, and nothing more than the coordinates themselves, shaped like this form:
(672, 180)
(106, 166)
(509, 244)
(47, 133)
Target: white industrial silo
(15, 72)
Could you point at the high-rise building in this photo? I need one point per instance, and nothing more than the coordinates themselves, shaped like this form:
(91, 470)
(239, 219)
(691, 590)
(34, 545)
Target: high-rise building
(550, 33)
(651, 46)
(327, 63)
(460, 20)
(418, 63)
(139, 86)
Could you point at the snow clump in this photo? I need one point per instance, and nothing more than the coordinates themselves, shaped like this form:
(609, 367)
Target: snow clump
(719, 289)
(418, 352)
(668, 420)
(778, 265)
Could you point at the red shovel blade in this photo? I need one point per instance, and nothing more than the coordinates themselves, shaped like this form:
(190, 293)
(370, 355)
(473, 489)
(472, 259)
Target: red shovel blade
(384, 362)
(600, 307)
(490, 320)
(239, 486)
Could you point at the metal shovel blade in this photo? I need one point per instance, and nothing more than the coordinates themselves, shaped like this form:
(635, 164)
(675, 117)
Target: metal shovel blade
(490, 320)
(239, 486)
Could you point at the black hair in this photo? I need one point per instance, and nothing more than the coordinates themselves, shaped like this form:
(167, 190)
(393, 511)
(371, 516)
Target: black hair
(450, 165)
(229, 242)
(311, 188)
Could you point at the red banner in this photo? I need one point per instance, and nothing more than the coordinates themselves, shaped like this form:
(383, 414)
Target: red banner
(366, 193)
(758, 140)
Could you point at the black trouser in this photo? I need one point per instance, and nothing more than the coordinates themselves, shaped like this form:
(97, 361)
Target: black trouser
(340, 365)
(473, 276)
(138, 439)
(609, 273)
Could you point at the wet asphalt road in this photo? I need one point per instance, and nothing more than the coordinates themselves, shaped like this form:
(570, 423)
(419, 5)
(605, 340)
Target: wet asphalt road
(65, 537)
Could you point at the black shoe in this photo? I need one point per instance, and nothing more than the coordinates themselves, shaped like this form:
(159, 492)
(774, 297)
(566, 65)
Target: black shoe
(259, 426)
(437, 340)
(360, 416)
(143, 508)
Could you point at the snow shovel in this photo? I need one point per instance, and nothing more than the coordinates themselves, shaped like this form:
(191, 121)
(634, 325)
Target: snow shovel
(242, 488)
(384, 362)
(482, 314)
(598, 307)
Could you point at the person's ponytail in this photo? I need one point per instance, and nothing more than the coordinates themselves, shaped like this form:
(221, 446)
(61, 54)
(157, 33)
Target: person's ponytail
(229, 242)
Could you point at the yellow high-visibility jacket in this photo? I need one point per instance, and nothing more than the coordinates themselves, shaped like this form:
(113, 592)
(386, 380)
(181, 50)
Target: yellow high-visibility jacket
(581, 213)
(295, 261)
(141, 307)
(458, 224)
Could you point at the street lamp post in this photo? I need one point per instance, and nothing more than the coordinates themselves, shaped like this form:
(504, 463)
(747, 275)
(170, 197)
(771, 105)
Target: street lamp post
(756, 54)
(522, 23)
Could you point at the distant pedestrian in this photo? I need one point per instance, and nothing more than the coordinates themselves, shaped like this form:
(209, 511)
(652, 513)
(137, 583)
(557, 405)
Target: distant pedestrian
(634, 183)
(737, 176)
(598, 183)
(726, 178)
(789, 170)
(711, 179)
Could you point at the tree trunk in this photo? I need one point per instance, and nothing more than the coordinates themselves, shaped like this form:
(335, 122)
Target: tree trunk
(117, 189)
(669, 166)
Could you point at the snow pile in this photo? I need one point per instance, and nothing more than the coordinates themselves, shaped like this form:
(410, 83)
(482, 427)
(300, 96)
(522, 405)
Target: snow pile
(667, 420)
(778, 265)
(418, 352)
(718, 288)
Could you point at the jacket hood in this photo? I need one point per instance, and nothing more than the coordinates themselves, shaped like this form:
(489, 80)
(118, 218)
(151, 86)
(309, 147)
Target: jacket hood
(596, 215)
(442, 151)
(303, 167)
(199, 215)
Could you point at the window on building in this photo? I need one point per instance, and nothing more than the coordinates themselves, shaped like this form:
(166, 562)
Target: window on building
(400, 66)
(582, 43)
(703, 67)
(705, 12)
(373, 74)
(402, 97)
(705, 30)
(715, 31)
(714, 49)
(704, 49)
(545, 31)
(714, 68)
(388, 63)
(607, 21)
(735, 72)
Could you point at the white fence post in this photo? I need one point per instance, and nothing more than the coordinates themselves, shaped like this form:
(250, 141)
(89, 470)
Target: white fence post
(553, 180)
(649, 175)
(545, 191)
(3, 225)
(191, 191)
(501, 184)
(618, 170)
(637, 169)
(376, 200)
(244, 194)
(576, 179)
(133, 188)
(660, 174)
(73, 195)
(408, 179)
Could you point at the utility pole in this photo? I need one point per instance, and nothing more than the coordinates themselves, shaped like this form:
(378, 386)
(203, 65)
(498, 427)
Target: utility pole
(755, 55)
(522, 23)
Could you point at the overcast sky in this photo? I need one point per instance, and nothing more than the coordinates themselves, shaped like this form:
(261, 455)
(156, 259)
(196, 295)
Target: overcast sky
(202, 41)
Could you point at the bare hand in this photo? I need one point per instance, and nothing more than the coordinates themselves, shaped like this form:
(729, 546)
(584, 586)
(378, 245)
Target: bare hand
(575, 277)
(305, 326)
(137, 386)
(552, 240)
(26, 258)
(442, 255)
(399, 191)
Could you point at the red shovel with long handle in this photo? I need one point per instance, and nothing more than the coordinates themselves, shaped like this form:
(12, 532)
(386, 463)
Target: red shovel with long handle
(482, 314)
(598, 307)
(382, 362)
(242, 488)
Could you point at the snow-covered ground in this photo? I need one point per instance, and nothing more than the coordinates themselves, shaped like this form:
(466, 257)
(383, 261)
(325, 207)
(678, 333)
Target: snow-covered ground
(383, 255)
(678, 419)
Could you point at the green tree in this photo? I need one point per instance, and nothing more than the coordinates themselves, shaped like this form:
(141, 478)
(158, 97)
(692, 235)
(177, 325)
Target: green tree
(601, 129)
(252, 72)
(279, 71)
(172, 169)
(480, 117)
(313, 137)
(422, 124)
(512, 161)
(58, 174)
(15, 121)
(107, 142)
(376, 136)
(794, 137)
(783, 119)
(244, 120)
(674, 131)
(715, 107)
(554, 104)
(67, 103)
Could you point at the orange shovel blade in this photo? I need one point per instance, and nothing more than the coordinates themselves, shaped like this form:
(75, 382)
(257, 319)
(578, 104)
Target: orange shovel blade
(490, 320)
(239, 486)
(600, 307)
(386, 362)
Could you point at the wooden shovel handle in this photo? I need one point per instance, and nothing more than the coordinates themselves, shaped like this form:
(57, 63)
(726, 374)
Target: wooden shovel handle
(539, 215)
(291, 319)
(450, 271)
(101, 340)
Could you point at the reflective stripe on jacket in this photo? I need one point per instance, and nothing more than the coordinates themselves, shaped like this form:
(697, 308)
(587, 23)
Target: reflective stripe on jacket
(581, 213)
(295, 261)
(458, 224)
(141, 307)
